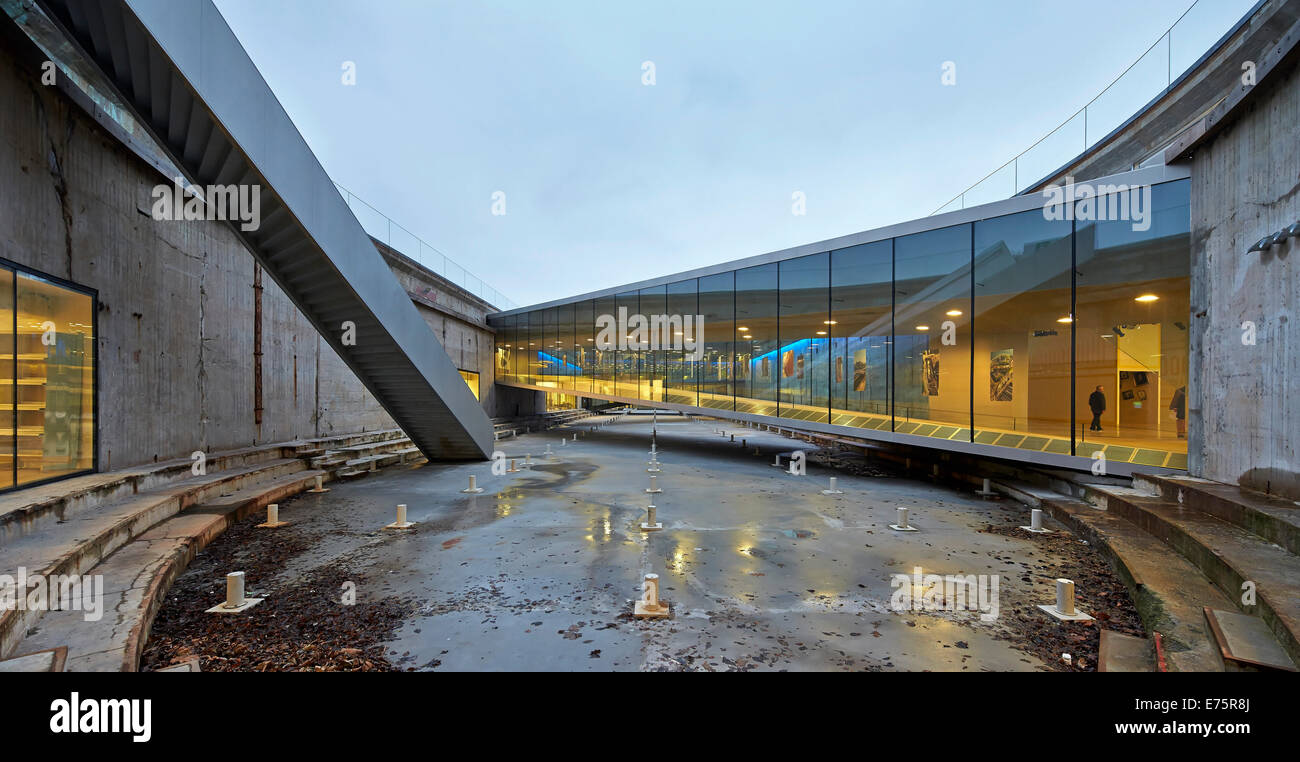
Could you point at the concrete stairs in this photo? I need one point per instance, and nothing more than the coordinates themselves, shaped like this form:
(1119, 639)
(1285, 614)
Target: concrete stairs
(1184, 546)
(138, 528)
(1244, 543)
(511, 427)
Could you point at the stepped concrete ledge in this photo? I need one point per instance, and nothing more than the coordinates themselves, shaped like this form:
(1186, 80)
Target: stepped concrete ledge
(30, 509)
(1168, 591)
(1273, 518)
(137, 577)
(1227, 554)
(71, 527)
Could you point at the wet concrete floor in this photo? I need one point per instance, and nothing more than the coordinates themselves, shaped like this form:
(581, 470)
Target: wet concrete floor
(762, 571)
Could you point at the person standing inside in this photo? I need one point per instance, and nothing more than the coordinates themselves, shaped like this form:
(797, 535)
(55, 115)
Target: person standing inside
(1096, 403)
(1179, 406)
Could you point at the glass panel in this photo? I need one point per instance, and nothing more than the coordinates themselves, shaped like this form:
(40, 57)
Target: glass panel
(1132, 306)
(656, 334)
(471, 380)
(55, 392)
(932, 295)
(606, 345)
(717, 305)
(804, 330)
(8, 452)
(536, 341)
(1023, 331)
(758, 362)
(583, 344)
(504, 354)
(680, 375)
(628, 368)
(563, 346)
(862, 302)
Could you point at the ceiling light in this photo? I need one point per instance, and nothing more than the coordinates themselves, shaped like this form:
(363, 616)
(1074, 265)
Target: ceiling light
(953, 313)
(923, 328)
(821, 333)
(742, 329)
(1066, 319)
(830, 322)
(1145, 298)
(747, 336)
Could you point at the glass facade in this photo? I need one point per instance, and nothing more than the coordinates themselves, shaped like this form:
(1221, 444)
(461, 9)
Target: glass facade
(1006, 331)
(47, 385)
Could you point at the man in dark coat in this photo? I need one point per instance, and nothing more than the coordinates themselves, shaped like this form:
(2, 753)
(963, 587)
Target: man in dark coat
(1096, 403)
(1179, 406)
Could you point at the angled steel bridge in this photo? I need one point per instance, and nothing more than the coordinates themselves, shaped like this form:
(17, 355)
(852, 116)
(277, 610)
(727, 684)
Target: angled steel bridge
(180, 68)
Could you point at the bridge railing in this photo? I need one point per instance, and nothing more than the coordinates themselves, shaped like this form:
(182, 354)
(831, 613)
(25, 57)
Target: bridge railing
(1150, 76)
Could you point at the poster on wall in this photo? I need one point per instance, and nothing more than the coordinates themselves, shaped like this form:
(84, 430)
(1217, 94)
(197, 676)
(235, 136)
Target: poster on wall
(798, 368)
(930, 373)
(787, 363)
(1001, 375)
(839, 370)
(860, 370)
(766, 371)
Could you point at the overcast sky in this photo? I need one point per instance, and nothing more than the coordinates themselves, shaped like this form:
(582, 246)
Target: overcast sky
(607, 180)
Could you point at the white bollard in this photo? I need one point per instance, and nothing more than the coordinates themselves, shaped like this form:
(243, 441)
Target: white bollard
(234, 590)
(318, 488)
(401, 522)
(1065, 596)
(777, 464)
(272, 517)
(648, 606)
(528, 460)
(473, 488)
(235, 602)
(1064, 607)
(1036, 522)
(653, 467)
(902, 525)
(514, 467)
(833, 489)
(987, 492)
(654, 487)
(651, 523)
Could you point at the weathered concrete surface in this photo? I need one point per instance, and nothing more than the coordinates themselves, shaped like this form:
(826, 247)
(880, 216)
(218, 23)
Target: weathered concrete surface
(1244, 417)
(177, 299)
(762, 570)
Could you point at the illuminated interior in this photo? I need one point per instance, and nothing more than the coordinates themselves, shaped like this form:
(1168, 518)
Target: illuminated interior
(46, 379)
(995, 332)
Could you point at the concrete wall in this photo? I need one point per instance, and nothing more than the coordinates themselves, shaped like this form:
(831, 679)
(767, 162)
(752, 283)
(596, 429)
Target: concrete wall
(1244, 416)
(176, 299)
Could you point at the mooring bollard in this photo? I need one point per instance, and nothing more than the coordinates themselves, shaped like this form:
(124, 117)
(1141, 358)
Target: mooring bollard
(234, 590)
(473, 488)
(272, 517)
(648, 606)
(654, 487)
(833, 489)
(651, 524)
(401, 522)
(902, 525)
(318, 488)
(1064, 607)
(987, 491)
(1036, 522)
(777, 464)
(514, 467)
(235, 602)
